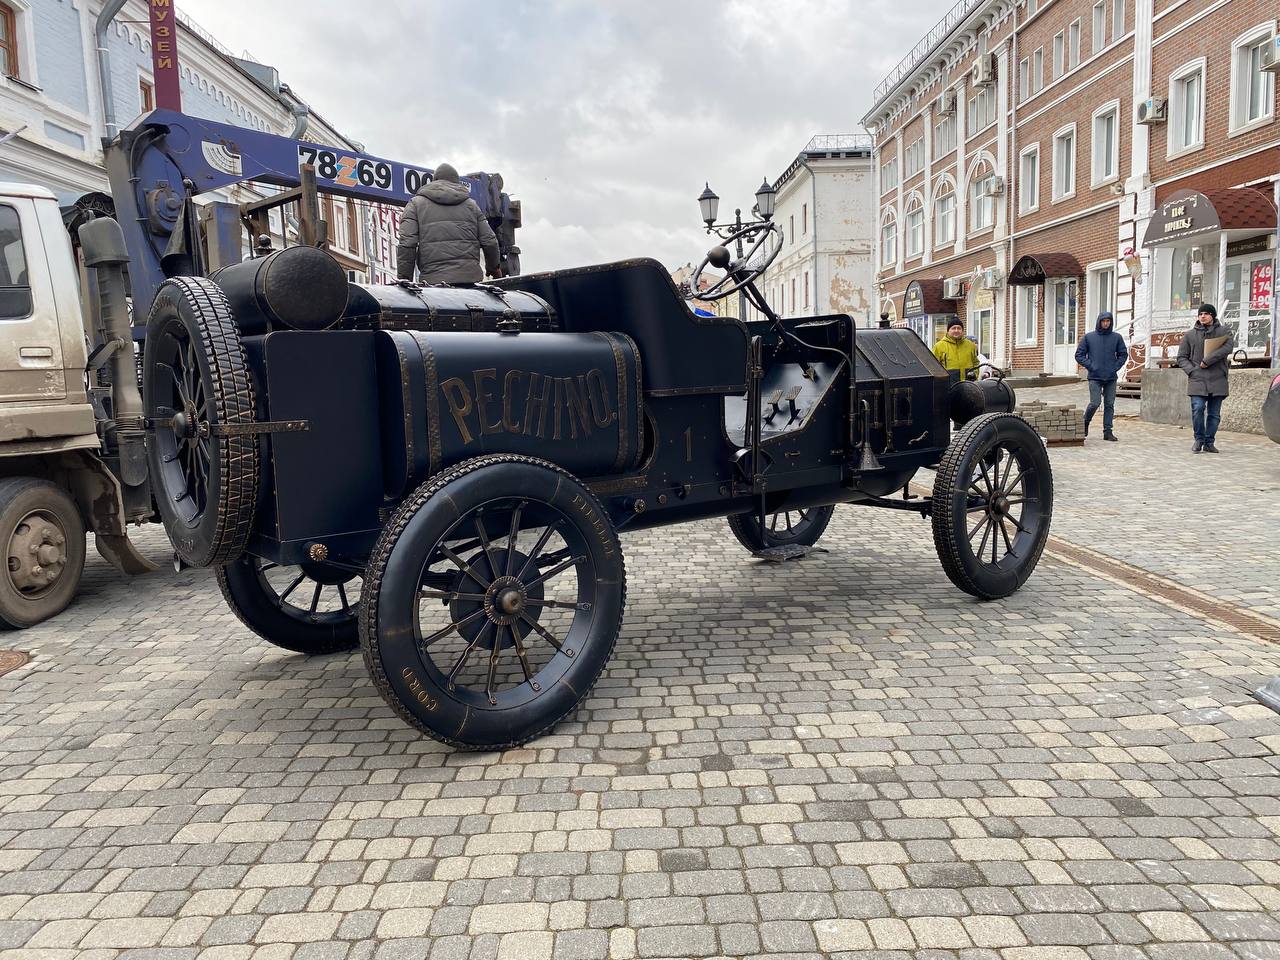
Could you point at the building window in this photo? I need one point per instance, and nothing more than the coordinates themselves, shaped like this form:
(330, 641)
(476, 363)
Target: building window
(1106, 144)
(982, 110)
(914, 161)
(353, 228)
(889, 175)
(1024, 79)
(1099, 26)
(1037, 70)
(791, 227)
(1186, 109)
(1032, 7)
(1102, 289)
(146, 95)
(915, 229)
(944, 136)
(1117, 20)
(944, 216)
(1064, 163)
(793, 294)
(9, 42)
(1252, 87)
(982, 206)
(1059, 54)
(1181, 286)
(1073, 45)
(888, 244)
(1025, 311)
(804, 219)
(806, 289)
(1029, 180)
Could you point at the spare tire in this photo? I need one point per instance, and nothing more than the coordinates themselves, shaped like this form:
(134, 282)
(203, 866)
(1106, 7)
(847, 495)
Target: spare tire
(195, 379)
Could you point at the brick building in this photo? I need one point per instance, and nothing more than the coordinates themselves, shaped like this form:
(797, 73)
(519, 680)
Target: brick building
(1038, 162)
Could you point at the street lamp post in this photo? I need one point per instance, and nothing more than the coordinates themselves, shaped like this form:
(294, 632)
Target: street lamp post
(709, 204)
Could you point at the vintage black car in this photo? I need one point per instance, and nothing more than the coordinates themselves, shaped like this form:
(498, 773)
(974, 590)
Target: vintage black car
(440, 475)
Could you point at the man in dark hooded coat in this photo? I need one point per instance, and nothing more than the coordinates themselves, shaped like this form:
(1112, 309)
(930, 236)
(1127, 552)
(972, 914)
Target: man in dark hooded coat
(443, 234)
(1102, 352)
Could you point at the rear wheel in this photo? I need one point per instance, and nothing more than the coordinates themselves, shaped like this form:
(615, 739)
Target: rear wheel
(992, 505)
(311, 609)
(492, 602)
(43, 538)
(799, 528)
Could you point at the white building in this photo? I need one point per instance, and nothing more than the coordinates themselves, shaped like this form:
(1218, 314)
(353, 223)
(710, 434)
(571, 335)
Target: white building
(825, 208)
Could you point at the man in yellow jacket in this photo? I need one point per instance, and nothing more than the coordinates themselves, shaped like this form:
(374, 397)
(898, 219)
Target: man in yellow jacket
(955, 351)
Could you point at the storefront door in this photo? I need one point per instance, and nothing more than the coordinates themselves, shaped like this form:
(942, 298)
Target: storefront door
(1250, 287)
(980, 326)
(1061, 303)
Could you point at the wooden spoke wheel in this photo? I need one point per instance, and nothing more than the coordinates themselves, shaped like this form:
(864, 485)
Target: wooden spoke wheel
(992, 505)
(311, 609)
(801, 528)
(492, 602)
(195, 378)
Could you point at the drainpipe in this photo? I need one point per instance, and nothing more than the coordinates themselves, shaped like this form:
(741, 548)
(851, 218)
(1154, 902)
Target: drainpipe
(301, 112)
(1012, 181)
(1275, 294)
(104, 66)
(813, 206)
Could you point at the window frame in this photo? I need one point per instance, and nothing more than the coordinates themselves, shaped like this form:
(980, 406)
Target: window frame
(1059, 54)
(1117, 20)
(1024, 207)
(1058, 134)
(806, 290)
(1177, 108)
(911, 156)
(1095, 178)
(887, 183)
(946, 190)
(914, 236)
(1094, 306)
(1074, 30)
(889, 222)
(1024, 79)
(1099, 27)
(943, 145)
(804, 220)
(1238, 122)
(23, 294)
(1037, 70)
(978, 201)
(1029, 293)
(12, 47)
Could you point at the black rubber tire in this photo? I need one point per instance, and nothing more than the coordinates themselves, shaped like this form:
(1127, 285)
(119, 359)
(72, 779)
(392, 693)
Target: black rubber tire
(258, 606)
(976, 444)
(19, 498)
(409, 680)
(746, 527)
(194, 310)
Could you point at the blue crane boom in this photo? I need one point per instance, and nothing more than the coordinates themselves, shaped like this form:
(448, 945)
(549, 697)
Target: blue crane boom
(165, 159)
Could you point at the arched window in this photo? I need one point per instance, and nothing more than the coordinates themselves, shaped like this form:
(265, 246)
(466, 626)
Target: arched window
(889, 242)
(982, 205)
(944, 215)
(915, 228)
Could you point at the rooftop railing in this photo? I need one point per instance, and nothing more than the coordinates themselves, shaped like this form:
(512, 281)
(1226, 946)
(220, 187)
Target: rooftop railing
(835, 142)
(922, 49)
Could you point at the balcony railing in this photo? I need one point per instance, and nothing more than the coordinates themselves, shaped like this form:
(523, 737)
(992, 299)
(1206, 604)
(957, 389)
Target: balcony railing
(922, 49)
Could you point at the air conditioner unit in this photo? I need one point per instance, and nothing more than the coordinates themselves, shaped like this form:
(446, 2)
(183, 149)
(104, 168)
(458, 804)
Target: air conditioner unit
(984, 70)
(1155, 110)
(952, 289)
(991, 278)
(1271, 55)
(992, 186)
(947, 105)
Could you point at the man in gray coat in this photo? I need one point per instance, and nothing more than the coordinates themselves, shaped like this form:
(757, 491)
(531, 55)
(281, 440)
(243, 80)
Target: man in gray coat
(443, 233)
(1203, 357)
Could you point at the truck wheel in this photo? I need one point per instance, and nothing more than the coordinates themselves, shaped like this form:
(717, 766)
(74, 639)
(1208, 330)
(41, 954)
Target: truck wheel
(196, 378)
(43, 537)
(310, 609)
(992, 505)
(801, 528)
(492, 602)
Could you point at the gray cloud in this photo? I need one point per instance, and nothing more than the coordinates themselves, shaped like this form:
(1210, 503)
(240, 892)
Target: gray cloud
(604, 118)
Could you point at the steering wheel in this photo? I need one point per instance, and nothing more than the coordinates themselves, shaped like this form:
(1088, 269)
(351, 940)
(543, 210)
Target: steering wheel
(739, 273)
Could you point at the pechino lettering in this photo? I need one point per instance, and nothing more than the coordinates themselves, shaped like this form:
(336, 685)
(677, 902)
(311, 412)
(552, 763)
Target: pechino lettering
(528, 404)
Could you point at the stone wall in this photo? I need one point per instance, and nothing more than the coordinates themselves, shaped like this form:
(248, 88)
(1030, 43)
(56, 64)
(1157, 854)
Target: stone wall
(1164, 398)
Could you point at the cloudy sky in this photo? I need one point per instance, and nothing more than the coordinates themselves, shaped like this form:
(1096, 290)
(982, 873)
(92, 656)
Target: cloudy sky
(605, 118)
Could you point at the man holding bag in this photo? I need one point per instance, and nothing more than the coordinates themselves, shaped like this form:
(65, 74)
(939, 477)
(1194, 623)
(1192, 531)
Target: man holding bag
(1203, 356)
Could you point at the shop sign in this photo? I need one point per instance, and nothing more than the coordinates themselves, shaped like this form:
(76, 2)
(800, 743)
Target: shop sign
(1025, 272)
(913, 302)
(1261, 285)
(1242, 248)
(1181, 217)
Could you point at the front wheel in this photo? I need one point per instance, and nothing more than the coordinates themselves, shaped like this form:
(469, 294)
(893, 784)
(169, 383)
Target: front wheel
(992, 505)
(310, 609)
(790, 528)
(492, 602)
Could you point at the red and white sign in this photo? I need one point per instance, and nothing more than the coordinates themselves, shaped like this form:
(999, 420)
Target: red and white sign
(1261, 286)
(164, 55)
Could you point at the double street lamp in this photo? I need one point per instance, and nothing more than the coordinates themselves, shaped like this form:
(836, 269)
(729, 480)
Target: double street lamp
(766, 195)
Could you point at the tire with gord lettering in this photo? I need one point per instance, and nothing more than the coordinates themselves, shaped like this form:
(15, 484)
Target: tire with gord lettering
(492, 602)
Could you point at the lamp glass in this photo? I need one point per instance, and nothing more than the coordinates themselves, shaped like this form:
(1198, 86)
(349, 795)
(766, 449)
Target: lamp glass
(710, 205)
(765, 197)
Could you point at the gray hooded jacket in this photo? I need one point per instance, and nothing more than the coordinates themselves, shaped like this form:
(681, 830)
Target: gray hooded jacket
(442, 233)
(1211, 380)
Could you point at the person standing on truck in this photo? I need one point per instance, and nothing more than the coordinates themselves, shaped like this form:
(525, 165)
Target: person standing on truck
(1103, 354)
(1203, 357)
(443, 234)
(955, 351)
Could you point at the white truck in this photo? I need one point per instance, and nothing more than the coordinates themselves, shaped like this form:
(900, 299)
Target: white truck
(70, 408)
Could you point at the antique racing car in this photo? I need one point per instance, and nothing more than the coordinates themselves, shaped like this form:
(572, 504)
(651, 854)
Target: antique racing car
(440, 475)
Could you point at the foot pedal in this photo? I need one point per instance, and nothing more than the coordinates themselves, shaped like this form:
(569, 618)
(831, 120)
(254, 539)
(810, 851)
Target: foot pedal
(790, 551)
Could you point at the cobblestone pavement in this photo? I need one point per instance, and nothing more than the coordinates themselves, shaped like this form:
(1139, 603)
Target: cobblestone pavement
(840, 757)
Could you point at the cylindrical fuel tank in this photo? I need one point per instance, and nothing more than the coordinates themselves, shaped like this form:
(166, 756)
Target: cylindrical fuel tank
(297, 288)
(571, 398)
(973, 398)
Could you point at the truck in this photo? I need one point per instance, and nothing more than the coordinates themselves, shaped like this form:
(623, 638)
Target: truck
(73, 435)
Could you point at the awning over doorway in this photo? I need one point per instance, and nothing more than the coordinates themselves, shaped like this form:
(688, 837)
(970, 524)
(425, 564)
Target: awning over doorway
(1189, 214)
(924, 298)
(1035, 268)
